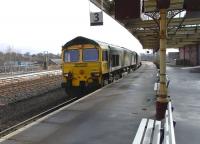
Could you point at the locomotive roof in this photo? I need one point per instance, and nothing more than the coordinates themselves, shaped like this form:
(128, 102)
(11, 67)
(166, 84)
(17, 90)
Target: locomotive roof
(80, 40)
(83, 40)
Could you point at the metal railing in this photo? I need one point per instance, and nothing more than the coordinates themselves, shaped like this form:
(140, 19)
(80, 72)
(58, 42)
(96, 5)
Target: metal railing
(12, 69)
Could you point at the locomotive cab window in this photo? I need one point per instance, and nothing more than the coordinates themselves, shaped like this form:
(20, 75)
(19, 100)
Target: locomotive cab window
(105, 55)
(90, 54)
(71, 55)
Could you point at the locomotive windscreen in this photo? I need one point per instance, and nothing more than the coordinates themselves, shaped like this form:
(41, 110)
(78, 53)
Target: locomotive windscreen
(90, 54)
(71, 55)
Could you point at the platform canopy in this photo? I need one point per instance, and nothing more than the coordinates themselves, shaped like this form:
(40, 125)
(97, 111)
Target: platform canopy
(183, 21)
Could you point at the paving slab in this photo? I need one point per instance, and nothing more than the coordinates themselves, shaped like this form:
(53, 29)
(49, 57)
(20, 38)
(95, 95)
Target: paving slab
(184, 90)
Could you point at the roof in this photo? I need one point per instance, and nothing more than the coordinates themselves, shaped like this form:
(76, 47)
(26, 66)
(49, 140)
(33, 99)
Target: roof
(183, 26)
(80, 40)
(56, 61)
(83, 40)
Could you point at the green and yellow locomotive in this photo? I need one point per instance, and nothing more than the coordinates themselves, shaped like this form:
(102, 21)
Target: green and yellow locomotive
(90, 64)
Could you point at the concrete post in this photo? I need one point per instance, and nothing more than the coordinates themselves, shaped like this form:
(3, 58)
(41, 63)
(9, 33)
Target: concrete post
(46, 60)
(162, 100)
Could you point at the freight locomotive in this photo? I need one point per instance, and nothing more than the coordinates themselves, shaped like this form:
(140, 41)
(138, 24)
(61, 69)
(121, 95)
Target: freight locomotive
(88, 63)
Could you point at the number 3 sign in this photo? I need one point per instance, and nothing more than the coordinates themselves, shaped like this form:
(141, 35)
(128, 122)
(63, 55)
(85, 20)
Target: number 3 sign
(96, 18)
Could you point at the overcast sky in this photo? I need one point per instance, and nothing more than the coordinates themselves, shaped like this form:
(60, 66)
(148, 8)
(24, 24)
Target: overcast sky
(45, 25)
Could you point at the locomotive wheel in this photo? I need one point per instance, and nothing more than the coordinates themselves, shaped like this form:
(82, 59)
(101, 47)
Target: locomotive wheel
(73, 92)
(69, 93)
(103, 82)
(110, 80)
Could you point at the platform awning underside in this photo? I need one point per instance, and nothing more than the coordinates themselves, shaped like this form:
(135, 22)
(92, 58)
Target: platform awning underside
(183, 28)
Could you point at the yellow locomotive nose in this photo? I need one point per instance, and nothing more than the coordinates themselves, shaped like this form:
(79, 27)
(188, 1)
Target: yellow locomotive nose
(81, 72)
(82, 76)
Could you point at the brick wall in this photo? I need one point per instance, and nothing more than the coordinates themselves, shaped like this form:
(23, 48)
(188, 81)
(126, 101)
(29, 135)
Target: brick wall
(193, 55)
(190, 53)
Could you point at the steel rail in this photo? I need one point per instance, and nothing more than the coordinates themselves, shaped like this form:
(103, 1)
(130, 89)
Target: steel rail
(31, 75)
(34, 118)
(27, 77)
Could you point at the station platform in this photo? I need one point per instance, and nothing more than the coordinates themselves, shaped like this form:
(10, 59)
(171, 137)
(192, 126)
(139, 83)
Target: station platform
(184, 90)
(110, 115)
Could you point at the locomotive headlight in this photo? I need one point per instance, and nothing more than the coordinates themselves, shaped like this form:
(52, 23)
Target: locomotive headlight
(95, 74)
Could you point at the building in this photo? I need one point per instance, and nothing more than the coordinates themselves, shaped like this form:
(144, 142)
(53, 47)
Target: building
(190, 55)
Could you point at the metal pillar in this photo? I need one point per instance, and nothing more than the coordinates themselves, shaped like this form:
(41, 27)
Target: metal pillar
(162, 99)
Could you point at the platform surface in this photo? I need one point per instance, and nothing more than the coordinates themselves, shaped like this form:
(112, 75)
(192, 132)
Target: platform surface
(109, 116)
(184, 90)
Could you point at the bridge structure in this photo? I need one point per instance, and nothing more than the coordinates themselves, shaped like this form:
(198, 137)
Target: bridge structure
(158, 24)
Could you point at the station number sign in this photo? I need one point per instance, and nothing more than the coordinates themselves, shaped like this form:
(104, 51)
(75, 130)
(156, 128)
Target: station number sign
(96, 18)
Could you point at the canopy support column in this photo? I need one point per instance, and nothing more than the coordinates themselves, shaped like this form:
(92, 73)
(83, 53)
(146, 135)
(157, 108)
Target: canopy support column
(162, 99)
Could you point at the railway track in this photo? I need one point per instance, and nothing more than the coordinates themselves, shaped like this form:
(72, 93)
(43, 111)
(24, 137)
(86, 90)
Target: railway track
(36, 117)
(20, 87)
(41, 115)
(31, 121)
(24, 77)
